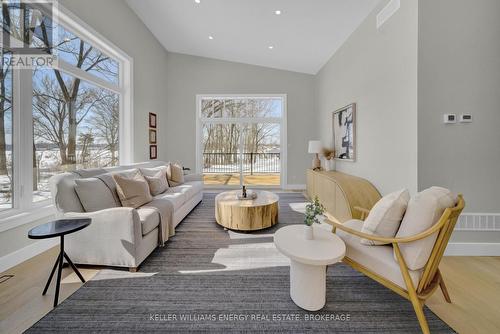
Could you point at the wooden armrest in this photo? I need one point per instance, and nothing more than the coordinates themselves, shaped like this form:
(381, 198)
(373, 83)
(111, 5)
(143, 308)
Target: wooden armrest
(415, 237)
(363, 212)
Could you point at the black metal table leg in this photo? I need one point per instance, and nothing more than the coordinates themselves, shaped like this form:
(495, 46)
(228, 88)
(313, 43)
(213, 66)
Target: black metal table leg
(59, 228)
(59, 271)
(51, 275)
(74, 267)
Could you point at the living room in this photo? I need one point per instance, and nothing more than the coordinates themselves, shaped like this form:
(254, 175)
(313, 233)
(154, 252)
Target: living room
(238, 166)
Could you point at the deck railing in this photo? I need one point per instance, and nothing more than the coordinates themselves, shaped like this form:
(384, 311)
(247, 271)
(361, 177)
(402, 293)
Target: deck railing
(262, 163)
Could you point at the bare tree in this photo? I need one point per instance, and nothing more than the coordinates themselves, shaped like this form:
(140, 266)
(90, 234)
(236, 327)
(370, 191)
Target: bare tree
(51, 115)
(106, 121)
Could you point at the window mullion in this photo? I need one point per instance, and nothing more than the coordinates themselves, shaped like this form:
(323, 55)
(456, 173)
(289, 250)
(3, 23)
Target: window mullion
(25, 144)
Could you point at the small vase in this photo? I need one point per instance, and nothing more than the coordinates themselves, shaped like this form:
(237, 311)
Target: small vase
(309, 232)
(330, 165)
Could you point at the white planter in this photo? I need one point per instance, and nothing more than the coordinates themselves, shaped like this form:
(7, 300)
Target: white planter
(309, 232)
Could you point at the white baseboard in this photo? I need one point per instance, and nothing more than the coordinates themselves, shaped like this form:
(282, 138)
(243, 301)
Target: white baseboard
(295, 187)
(472, 249)
(13, 259)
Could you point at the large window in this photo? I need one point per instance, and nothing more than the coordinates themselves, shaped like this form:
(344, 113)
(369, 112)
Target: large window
(80, 108)
(241, 140)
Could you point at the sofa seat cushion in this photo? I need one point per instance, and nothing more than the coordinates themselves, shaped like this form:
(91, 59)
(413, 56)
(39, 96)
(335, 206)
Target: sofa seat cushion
(189, 189)
(378, 259)
(176, 198)
(150, 219)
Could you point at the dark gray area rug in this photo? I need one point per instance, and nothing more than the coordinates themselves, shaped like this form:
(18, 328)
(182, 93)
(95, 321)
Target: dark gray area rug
(210, 280)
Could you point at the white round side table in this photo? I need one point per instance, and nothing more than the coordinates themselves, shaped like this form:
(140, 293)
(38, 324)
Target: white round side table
(309, 259)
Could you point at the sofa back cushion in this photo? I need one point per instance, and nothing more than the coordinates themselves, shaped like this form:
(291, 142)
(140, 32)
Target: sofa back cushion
(94, 194)
(133, 190)
(175, 174)
(423, 211)
(157, 179)
(385, 216)
(64, 197)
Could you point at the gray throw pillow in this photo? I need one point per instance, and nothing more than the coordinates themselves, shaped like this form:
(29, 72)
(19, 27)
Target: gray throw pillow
(94, 194)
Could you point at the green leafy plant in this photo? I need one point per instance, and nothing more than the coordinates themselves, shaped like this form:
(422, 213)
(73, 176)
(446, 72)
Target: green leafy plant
(313, 210)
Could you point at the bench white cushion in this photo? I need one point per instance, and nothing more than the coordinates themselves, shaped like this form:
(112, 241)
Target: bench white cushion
(423, 211)
(385, 216)
(377, 259)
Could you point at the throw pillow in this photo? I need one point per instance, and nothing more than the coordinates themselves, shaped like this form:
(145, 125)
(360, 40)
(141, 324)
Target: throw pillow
(132, 190)
(175, 174)
(385, 216)
(94, 194)
(424, 210)
(157, 179)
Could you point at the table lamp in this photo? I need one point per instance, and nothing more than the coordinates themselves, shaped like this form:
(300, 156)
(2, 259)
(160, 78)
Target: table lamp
(315, 147)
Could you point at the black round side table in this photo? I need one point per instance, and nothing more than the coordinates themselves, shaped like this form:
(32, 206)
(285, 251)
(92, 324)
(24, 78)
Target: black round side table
(59, 228)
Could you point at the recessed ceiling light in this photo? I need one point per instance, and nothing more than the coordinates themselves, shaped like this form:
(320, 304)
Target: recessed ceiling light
(197, 1)
(210, 37)
(277, 12)
(270, 47)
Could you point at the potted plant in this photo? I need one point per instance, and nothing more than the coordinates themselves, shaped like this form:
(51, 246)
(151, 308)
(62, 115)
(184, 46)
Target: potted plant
(329, 155)
(313, 210)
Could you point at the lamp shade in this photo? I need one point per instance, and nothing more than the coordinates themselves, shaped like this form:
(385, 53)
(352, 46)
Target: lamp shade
(315, 146)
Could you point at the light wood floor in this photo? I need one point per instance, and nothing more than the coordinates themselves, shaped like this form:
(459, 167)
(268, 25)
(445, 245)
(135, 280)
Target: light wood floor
(21, 300)
(473, 283)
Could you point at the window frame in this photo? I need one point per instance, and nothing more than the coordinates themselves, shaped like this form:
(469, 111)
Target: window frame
(24, 210)
(282, 121)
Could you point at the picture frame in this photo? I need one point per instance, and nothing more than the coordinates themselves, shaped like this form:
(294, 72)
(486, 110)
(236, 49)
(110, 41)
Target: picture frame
(153, 152)
(152, 120)
(344, 132)
(152, 136)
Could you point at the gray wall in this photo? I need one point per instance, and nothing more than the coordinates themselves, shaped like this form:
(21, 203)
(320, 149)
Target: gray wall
(191, 75)
(459, 72)
(377, 69)
(115, 21)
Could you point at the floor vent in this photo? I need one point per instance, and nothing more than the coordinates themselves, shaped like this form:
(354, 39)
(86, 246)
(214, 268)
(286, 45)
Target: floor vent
(478, 222)
(5, 278)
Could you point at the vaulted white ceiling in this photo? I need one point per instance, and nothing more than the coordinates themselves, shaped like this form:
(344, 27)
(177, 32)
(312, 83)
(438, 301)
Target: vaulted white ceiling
(303, 37)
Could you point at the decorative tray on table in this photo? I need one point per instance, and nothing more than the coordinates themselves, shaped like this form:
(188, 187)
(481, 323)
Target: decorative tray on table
(251, 195)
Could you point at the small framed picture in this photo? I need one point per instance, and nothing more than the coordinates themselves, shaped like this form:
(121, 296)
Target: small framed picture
(152, 136)
(152, 152)
(152, 120)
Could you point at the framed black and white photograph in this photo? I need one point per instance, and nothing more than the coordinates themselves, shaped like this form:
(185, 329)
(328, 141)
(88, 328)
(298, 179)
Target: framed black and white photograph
(152, 152)
(152, 120)
(344, 132)
(152, 136)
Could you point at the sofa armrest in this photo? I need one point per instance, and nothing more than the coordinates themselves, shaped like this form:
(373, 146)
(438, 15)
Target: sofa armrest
(111, 238)
(193, 177)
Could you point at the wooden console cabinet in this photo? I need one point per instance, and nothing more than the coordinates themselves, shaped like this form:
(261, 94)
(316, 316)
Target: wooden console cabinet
(340, 193)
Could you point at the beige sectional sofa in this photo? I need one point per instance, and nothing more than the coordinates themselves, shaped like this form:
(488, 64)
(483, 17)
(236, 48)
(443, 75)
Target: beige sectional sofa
(118, 236)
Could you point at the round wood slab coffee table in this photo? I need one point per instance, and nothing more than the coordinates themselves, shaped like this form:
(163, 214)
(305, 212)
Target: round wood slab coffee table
(247, 214)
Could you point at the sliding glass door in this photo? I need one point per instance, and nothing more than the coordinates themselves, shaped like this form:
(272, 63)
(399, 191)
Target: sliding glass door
(240, 140)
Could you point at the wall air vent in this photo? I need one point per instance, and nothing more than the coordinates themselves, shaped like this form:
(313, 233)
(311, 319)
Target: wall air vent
(386, 12)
